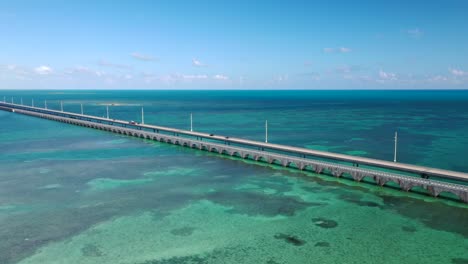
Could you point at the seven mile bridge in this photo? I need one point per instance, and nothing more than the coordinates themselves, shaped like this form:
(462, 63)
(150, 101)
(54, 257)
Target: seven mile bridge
(407, 176)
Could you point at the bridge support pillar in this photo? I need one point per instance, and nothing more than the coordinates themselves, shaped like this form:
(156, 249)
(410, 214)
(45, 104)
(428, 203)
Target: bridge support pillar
(336, 172)
(357, 176)
(463, 196)
(380, 180)
(405, 185)
(433, 191)
(301, 165)
(318, 169)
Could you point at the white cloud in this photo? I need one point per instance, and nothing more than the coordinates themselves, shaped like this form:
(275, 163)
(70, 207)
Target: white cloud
(337, 50)
(438, 78)
(415, 33)
(310, 75)
(18, 72)
(80, 70)
(220, 77)
(344, 69)
(344, 50)
(282, 78)
(148, 77)
(175, 78)
(387, 76)
(43, 70)
(109, 81)
(195, 77)
(458, 72)
(197, 63)
(142, 57)
(365, 78)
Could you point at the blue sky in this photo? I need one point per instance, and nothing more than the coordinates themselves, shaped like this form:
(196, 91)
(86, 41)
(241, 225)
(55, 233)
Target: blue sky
(233, 44)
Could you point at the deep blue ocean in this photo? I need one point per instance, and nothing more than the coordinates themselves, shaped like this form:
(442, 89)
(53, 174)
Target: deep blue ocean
(75, 195)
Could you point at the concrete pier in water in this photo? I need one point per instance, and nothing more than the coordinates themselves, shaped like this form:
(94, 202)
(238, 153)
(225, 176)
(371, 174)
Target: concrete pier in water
(298, 158)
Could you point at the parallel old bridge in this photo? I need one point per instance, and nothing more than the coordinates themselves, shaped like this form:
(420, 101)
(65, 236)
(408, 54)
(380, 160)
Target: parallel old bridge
(406, 176)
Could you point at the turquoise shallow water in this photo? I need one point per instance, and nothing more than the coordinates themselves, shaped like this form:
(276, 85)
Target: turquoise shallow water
(75, 195)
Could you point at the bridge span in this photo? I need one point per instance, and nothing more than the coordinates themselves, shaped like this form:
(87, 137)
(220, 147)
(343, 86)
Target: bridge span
(294, 157)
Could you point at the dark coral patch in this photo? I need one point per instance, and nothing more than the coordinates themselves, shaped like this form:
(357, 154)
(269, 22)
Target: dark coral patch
(312, 189)
(183, 231)
(216, 256)
(367, 203)
(254, 203)
(290, 239)
(356, 199)
(91, 250)
(280, 184)
(272, 261)
(436, 215)
(192, 259)
(460, 261)
(322, 244)
(324, 223)
(409, 229)
(348, 195)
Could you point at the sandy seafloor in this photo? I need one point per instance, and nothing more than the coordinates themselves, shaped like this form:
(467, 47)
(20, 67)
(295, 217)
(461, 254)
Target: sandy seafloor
(74, 195)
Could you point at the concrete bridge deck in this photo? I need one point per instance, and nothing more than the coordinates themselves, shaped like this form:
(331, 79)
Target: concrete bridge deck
(406, 183)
